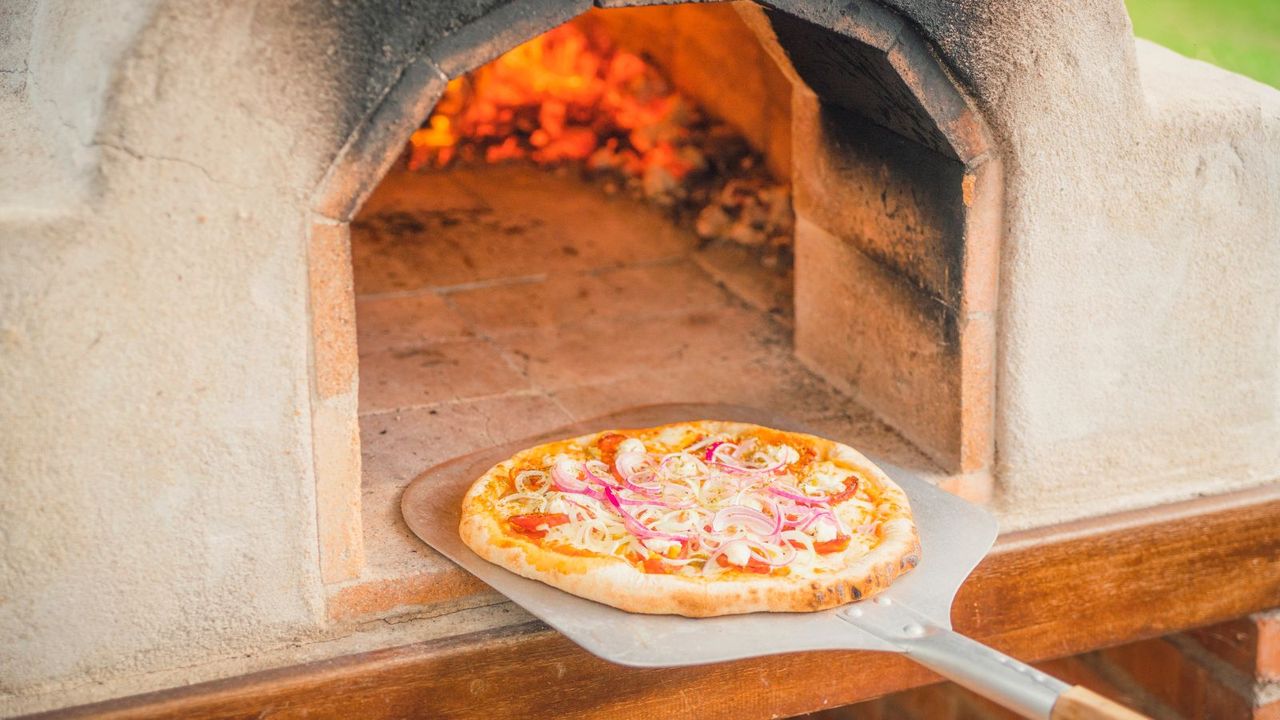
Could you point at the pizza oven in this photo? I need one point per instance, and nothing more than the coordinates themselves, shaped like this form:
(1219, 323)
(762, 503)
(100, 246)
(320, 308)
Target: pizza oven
(266, 265)
(617, 213)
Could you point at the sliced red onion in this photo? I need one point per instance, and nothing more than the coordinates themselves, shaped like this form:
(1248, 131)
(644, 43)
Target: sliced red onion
(667, 460)
(598, 467)
(711, 450)
(796, 497)
(802, 512)
(634, 526)
(564, 475)
(732, 462)
(651, 490)
(825, 514)
(760, 552)
(775, 467)
(700, 444)
(577, 504)
(653, 502)
(710, 565)
(643, 482)
(741, 472)
(777, 518)
(636, 471)
(600, 477)
(747, 517)
(535, 477)
(731, 469)
(820, 514)
(714, 451)
(629, 463)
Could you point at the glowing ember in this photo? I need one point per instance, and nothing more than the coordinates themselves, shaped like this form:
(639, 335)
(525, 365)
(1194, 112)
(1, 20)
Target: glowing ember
(565, 95)
(572, 96)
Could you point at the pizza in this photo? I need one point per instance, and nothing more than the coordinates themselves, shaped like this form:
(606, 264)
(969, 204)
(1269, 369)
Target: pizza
(695, 518)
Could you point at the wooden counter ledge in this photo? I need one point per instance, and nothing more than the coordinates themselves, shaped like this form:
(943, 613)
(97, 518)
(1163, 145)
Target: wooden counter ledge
(1041, 594)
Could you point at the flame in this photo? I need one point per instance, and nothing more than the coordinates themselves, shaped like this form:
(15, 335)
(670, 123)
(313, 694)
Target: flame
(567, 95)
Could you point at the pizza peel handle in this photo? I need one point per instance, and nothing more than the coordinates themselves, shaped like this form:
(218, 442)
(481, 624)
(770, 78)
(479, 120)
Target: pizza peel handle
(982, 669)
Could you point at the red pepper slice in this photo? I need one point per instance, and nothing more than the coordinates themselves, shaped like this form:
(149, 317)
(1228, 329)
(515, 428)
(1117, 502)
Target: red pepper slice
(754, 565)
(608, 444)
(850, 487)
(837, 544)
(807, 456)
(654, 565)
(537, 524)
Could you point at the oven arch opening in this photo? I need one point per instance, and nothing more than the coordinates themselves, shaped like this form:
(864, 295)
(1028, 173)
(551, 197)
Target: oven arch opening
(898, 202)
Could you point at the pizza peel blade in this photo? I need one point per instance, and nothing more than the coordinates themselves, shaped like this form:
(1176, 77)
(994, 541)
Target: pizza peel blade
(913, 616)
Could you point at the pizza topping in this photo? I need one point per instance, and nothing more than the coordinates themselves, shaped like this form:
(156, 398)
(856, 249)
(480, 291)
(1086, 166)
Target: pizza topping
(805, 457)
(609, 442)
(631, 445)
(833, 545)
(666, 547)
(696, 506)
(632, 524)
(681, 465)
(795, 496)
(744, 458)
(530, 481)
(845, 491)
(737, 553)
(538, 523)
(636, 470)
(565, 477)
(654, 565)
(750, 554)
(850, 487)
(824, 529)
(753, 565)
(749, 519)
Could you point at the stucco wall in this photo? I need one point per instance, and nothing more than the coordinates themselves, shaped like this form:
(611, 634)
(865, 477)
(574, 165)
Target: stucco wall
(57, 60)
(1141, 313)
(158, 496)
(158, 505)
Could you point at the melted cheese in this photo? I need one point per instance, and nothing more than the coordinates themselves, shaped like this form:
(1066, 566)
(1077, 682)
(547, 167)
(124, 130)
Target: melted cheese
(738, 553)
(824, 531)
(826, 478)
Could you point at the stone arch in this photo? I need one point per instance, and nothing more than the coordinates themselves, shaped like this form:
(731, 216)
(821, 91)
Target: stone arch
(884, 128)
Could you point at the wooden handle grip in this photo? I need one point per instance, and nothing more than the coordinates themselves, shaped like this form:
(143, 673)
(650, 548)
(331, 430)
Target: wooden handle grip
(1080, 703)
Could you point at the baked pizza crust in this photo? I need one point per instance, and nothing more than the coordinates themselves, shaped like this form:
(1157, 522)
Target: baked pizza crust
(617, 582)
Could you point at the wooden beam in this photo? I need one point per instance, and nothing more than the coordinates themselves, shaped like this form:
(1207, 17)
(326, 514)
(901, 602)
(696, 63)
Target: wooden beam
(1040, 594)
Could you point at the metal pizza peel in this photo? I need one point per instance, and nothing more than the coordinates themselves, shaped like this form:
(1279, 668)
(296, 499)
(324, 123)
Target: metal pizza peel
(913, 616)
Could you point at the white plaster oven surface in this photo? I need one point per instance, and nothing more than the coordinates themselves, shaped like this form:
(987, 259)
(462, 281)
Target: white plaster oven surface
(157, 169)
(1140, 344)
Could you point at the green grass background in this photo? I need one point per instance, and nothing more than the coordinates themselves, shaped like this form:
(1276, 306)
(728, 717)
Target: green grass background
(1240, 35)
